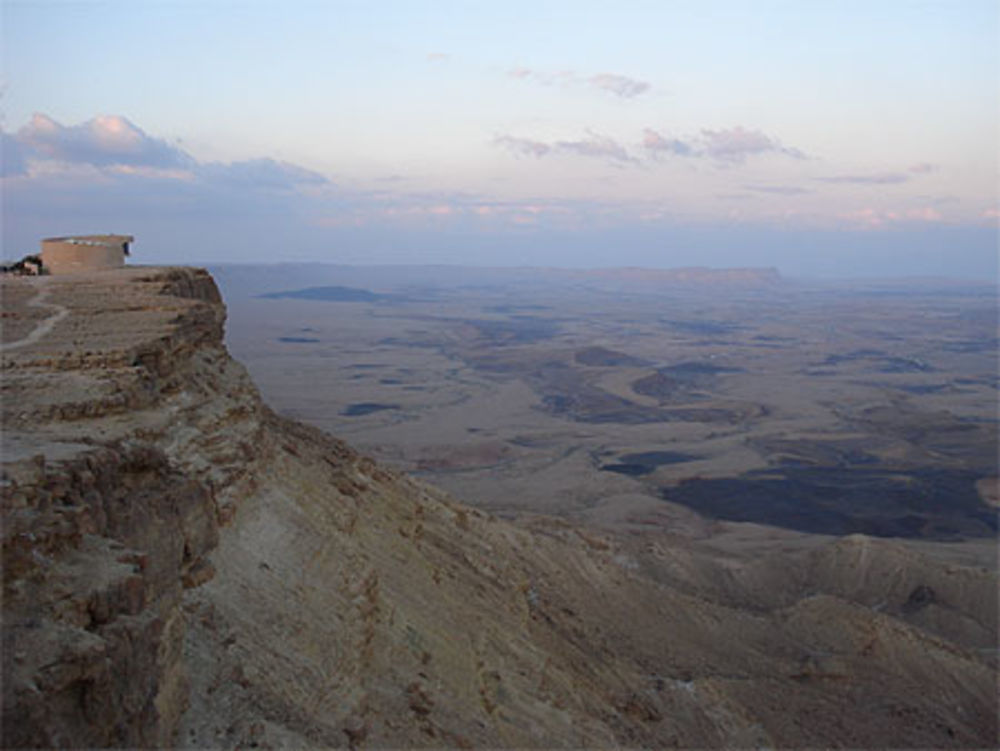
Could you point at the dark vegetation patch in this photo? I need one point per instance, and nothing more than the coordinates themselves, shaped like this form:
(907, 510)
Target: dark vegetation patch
(645, 462)
(602, 357)
(366, 408)
(657, 385)
(328, 294)
(693, 370)
(882, 362)
(516, 330)
(667, 383)
(967, 444)
(298, 339)
(937, 504)
(904, 365)
(514, 308)
(790, 452)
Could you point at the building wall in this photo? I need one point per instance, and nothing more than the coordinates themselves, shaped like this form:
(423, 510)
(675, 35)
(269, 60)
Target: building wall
(73, 255)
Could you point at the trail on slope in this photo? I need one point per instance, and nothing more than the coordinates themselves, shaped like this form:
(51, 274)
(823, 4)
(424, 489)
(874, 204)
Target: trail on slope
(43, 327)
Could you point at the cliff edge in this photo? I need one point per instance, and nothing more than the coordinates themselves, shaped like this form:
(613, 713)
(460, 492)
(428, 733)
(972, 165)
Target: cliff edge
(184, 567)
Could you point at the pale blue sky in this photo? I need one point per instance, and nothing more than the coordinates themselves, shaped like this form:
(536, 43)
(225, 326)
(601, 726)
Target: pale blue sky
(483, 132)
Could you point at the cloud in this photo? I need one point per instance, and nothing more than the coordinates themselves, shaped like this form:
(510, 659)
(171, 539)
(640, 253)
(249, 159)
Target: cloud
(594, 145)
(622, 86)
(657, 143)
(923, 168)
(523, 146)
(728, 146)
(781, 190)
(104, 141)
(260, 173)
(613, 83)
(885, 178)
(732, 146)
(437, 57)
(13, 159)
(736, 144)
(879, 219)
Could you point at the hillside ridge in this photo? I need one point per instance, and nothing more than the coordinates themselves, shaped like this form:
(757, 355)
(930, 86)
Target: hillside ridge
(183, 566)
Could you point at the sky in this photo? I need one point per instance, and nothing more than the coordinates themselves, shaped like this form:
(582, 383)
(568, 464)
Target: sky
(830, 139)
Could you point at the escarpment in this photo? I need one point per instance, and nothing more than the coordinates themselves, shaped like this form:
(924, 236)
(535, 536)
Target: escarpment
(184, 567)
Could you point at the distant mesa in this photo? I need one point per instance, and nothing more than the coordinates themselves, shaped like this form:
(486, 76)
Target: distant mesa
(606, 358)
(298, 339)
(328, 294)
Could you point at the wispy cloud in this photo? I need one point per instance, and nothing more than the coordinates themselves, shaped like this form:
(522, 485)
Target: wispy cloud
(625, 87)
(727, 146)
(660, 144)
(619, 85)
(437, 57)
(523, 146)
(594, 145)
(923, 168)
(781, 190)
(736, 144)
(884, 178)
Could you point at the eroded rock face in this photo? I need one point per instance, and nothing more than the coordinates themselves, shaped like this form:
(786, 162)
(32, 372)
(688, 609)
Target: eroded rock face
(182, 566)
(102, 529)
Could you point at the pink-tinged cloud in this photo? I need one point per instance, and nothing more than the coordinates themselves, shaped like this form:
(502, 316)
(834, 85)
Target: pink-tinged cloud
(924, 168)
(103, 141)
(736, 144)
(112, 147)
(884, 178)
(870, 218)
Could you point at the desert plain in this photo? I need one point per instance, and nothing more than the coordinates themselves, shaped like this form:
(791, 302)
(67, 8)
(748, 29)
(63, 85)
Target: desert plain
(735, 407)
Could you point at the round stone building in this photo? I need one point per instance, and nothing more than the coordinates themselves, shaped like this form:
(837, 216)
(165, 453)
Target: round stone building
(82, 253)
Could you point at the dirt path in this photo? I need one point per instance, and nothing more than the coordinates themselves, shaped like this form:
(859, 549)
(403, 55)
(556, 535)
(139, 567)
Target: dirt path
(44, 327)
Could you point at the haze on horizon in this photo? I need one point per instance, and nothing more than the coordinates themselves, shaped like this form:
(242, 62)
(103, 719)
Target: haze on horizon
(827, 139)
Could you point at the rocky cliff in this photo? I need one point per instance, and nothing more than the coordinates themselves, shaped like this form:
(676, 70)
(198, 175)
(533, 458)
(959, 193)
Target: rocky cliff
(184, 567)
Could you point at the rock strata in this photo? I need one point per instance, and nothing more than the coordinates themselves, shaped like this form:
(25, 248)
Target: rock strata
(184, 567)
